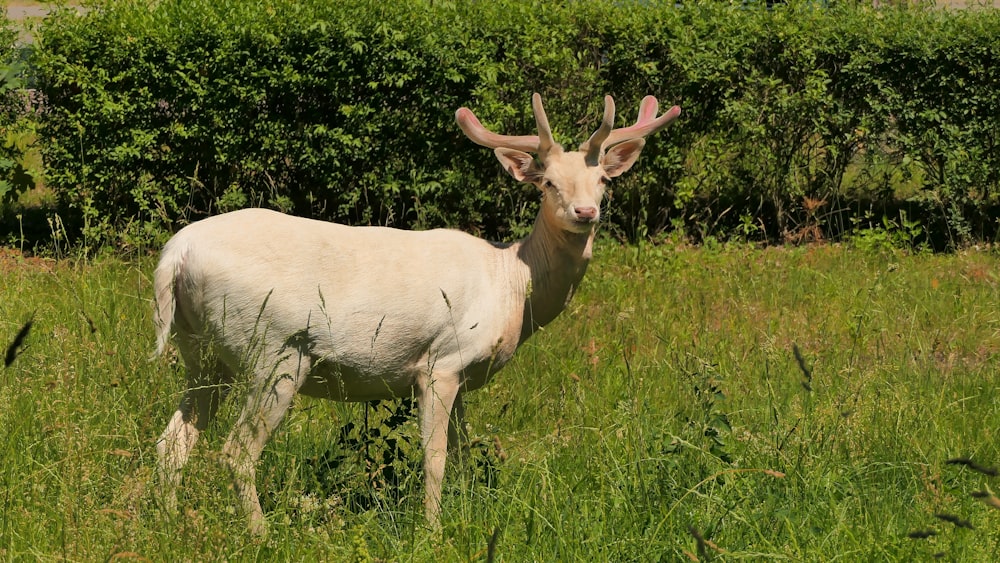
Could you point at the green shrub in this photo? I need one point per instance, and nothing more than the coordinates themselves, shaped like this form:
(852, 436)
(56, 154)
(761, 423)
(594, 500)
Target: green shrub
(797, 120)
(933, 91)
(331, 109)
(16, 128)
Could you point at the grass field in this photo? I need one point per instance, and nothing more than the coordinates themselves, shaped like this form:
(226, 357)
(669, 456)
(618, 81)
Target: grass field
(664, 416)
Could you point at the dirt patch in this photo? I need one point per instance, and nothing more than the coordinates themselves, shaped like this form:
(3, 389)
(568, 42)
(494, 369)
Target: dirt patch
(25, 11)
(11, 259)
(20, 10)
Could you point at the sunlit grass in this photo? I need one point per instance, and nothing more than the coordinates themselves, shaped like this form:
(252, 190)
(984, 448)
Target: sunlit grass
(664, 406)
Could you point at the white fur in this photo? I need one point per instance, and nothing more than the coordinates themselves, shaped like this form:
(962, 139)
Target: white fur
(294, 305)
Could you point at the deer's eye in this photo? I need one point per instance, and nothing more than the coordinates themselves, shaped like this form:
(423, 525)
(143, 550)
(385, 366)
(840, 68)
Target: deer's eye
(547, 184)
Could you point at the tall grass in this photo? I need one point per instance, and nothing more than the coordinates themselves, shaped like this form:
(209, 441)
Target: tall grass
(664, 416)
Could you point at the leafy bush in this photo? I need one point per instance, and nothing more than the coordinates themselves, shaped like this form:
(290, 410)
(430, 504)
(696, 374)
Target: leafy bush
(338, 110)
(16, 129)
(932, 90)
(798, 119)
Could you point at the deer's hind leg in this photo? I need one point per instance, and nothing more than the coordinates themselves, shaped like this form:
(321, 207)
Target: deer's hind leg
(208, 382)
(268, 399)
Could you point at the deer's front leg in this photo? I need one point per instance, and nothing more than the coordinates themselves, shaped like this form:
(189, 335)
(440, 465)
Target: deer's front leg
(437, 397)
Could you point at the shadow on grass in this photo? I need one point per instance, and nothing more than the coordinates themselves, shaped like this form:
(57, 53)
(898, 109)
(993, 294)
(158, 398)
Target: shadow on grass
(374, 464)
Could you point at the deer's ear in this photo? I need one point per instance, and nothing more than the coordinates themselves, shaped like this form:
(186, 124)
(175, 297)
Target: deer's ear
(520, 165)
(621, 157)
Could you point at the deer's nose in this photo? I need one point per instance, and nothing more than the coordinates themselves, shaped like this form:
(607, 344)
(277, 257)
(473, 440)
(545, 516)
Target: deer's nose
(588, 213)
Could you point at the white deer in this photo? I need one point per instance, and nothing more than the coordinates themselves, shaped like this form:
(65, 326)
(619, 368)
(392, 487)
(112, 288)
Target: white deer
(293, 305)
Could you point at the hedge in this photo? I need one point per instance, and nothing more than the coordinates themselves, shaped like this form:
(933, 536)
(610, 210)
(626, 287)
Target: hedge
(800, 121)
(16, 131)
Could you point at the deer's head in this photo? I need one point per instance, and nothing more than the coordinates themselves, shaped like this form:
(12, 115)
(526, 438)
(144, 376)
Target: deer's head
(572, 183)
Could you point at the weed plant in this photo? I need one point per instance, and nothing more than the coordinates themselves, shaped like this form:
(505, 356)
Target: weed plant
(726, 403)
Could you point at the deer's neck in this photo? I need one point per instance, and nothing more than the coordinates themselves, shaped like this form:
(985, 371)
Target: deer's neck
(556, 261)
